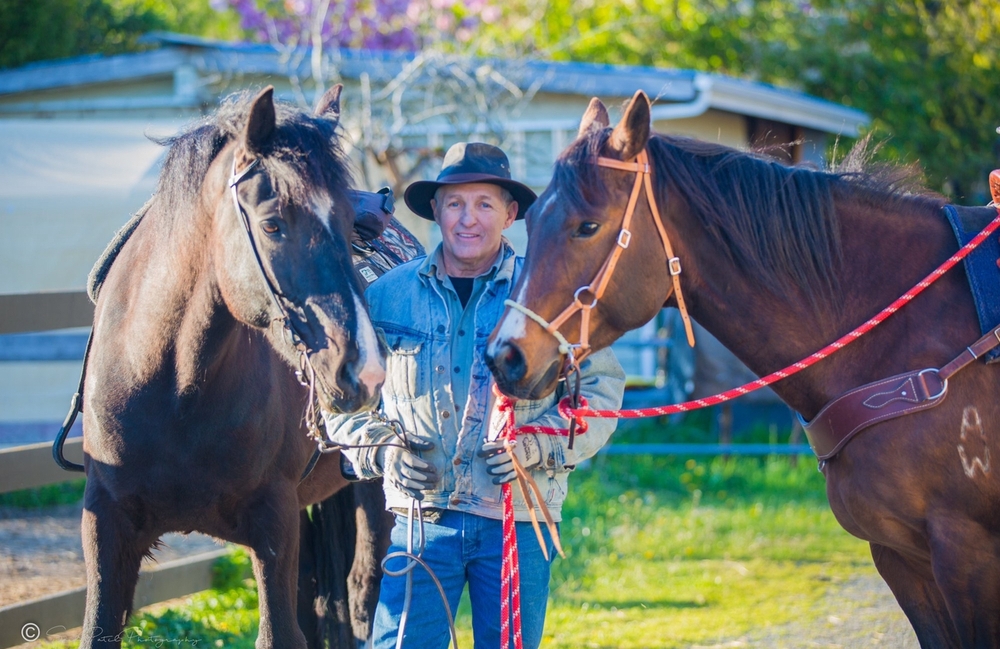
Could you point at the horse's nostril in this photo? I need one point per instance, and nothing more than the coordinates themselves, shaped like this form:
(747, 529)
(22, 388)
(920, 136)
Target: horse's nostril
(510, 360)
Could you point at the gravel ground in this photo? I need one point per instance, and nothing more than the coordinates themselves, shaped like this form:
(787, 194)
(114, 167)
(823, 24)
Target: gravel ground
(41, 552)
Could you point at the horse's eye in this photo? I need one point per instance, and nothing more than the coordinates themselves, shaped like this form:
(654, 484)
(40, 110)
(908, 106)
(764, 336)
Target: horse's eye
(270, 226)
(587, 229)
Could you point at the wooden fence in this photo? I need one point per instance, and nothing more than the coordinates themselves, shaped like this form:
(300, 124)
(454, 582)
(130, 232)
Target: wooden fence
(32, 466)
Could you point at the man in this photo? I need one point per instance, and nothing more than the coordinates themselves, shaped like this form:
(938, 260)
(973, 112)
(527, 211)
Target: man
(434, 315)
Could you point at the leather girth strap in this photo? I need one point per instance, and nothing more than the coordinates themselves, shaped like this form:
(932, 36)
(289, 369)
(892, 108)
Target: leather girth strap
(850, 413)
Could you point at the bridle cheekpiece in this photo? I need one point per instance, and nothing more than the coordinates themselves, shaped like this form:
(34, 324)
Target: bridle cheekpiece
(640, 166)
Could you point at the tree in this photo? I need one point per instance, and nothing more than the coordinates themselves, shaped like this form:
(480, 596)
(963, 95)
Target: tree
(37, 30)
(437, 85)
(926, 71)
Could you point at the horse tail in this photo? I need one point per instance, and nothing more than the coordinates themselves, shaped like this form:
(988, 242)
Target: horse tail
(342, 542)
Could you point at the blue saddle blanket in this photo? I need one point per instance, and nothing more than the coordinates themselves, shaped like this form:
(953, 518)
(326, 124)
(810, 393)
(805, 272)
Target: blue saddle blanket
(982, 271)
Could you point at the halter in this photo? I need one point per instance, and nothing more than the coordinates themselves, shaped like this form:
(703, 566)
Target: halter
(306, 374)
(600, 282)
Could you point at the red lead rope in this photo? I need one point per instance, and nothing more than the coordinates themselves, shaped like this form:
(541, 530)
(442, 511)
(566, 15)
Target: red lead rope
(840, 343)
(510, 576)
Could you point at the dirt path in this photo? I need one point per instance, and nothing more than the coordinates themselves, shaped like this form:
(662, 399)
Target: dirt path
(41, 552)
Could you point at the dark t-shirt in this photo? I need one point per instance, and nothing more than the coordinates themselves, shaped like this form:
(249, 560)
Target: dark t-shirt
(463, 286)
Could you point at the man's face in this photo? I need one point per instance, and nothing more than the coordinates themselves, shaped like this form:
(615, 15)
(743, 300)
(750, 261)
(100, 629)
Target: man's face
(472, 218)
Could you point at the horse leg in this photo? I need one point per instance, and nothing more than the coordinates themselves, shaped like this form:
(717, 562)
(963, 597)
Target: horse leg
(272, 533)
(113, 547)
(374, 525)
(966, 563)
(918, 595)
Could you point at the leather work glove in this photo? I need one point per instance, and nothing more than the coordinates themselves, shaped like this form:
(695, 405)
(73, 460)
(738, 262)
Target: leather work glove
(527, 450)
(404, 469)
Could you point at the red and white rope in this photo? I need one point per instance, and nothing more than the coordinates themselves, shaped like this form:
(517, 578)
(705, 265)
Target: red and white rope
(510, 576)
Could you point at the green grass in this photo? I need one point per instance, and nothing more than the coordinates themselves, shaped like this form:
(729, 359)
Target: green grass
(662, 553)
(64, 493)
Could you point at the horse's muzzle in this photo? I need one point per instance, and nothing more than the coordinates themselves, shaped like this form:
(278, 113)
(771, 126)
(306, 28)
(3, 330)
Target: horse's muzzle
(510, 369)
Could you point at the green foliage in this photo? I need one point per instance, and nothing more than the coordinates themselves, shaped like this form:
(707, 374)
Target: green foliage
(225, 616)
(39, 30)
(926, 71)
(64, 493)
(232, 571)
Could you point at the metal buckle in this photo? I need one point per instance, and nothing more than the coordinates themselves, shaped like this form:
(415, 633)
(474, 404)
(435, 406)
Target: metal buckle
(624, 238)
(576, 298)
(674, 266)
(944, 386)
(388, 200)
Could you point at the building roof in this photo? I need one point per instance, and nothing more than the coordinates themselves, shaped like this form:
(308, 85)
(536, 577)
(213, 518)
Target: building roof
(208, 57)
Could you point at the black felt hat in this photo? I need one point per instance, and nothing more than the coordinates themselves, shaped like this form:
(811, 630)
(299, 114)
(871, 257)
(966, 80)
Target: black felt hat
(469, 162)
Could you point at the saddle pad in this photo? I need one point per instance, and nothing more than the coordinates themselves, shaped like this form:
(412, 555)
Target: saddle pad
(100, 270)
(982, 271)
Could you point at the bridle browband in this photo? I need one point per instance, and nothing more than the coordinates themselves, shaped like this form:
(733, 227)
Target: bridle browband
(600, 282)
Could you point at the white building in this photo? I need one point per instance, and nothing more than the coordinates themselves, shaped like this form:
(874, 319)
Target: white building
(76, 160)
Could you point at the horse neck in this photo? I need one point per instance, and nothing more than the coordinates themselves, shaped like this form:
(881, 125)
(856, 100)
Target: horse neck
(885, 254)
(182, 328)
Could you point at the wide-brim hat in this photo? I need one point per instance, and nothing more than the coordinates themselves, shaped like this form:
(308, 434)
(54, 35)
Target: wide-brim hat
(469, 162)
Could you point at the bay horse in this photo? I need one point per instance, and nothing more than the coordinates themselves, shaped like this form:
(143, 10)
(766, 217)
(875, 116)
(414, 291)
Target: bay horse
(776, 262)
(238, 275)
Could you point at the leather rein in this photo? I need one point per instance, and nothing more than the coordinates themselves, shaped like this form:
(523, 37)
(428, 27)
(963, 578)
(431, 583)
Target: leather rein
(840, 419)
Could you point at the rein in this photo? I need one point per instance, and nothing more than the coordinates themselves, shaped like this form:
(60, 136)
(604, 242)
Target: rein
(596, 288)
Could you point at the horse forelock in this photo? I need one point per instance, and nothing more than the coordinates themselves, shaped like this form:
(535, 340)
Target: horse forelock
(578, 182)
(304, 162)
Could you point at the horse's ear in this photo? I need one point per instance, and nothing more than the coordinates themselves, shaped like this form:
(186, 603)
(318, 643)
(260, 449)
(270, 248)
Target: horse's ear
(595, 117)
(632, 133)
(329, 104)
(261, 123)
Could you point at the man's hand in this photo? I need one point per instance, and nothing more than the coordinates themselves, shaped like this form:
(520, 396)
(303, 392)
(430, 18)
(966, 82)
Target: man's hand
(404, 469)
(498, 463)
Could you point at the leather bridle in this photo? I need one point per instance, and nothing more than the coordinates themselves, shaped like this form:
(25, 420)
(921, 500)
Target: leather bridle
(597, 287)
(306, 374)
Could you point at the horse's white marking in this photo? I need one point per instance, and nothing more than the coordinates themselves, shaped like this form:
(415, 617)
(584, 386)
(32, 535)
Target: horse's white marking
(972, 423)
(322, 206)
(524, 289)
(513, 328)
(548, 203)
(372, 366)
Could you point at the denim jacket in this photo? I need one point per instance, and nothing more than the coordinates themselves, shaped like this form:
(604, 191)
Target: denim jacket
(410, 313)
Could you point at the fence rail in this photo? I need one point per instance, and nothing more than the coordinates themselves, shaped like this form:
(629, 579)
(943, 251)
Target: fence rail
(38, 618)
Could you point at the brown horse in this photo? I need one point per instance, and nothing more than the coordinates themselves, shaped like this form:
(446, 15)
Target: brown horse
(777, 262)
(194, 419)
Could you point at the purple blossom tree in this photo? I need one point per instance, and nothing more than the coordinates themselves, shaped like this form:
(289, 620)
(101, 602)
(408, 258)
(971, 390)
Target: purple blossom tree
(402, 119)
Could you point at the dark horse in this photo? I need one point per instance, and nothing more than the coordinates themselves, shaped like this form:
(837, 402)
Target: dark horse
(238, 274)
(777, 262)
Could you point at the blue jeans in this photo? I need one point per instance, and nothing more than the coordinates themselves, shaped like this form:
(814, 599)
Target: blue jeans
(461, 548)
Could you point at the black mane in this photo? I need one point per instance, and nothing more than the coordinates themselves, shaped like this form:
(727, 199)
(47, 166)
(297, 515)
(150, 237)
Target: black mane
(775, 221)
(305, 154)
